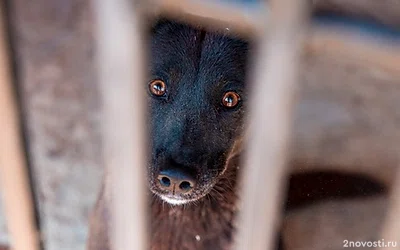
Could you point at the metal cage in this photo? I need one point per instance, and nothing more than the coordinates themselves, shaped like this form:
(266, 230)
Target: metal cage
(121, 45)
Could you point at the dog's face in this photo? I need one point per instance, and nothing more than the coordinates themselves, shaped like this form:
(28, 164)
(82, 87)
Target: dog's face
(197, 95)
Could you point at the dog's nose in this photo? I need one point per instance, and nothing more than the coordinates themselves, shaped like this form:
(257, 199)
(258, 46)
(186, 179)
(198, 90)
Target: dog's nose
(176, 181)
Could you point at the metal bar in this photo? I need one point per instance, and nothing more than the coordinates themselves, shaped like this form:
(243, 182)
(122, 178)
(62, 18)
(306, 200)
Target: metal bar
(386, 12)
(380, 52)
(121, 74)
(14, 179)
(239, 18)
(270, 116)
(391, 229)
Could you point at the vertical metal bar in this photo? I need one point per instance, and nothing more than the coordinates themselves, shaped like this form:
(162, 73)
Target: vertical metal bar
(391, 229)
(121, 76)
(344, 42)
(241, 17)
(14, 178)
(269, 129)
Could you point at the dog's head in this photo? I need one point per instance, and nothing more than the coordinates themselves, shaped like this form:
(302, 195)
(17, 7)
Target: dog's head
(196, 94)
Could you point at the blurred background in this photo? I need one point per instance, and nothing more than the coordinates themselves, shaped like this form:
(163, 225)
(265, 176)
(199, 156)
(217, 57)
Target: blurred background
(53, 42)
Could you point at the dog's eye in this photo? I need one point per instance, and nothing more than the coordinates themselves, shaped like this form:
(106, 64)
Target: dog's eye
(157, 87)
(230, 99)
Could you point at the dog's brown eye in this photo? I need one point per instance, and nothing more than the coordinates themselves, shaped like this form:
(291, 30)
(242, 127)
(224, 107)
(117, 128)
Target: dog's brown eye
(158, 88)
(230, 99)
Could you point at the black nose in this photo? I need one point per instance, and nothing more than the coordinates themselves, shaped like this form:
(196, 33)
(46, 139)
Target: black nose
(176, 181)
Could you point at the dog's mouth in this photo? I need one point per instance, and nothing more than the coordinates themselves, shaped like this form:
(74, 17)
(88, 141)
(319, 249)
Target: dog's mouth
(181, 199)
(173, 198)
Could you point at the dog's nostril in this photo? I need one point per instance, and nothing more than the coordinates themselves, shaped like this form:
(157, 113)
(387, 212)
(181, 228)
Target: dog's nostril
(176, 181)
(165, 181)
(185, 186)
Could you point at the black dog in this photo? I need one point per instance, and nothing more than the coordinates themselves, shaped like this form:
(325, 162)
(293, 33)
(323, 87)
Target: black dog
(197, 98)
(197, 92)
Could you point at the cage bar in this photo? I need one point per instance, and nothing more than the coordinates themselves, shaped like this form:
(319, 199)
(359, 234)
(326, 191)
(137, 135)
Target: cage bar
(121, 75)
(14, 180)
(383, 53)
(276, 73)
(391, 229)
(241, 18)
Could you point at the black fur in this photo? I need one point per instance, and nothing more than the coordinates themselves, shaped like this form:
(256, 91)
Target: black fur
(190, 128)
